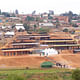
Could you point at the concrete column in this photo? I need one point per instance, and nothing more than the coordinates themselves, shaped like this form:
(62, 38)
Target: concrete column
(6, 53)
(12, 53)
(15, 53)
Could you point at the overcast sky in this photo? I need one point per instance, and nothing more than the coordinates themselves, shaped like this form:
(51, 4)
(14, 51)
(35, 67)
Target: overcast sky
(27, 6)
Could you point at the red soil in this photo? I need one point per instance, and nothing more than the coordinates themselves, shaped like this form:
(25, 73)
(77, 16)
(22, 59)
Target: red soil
(68, 59)
(22, 61)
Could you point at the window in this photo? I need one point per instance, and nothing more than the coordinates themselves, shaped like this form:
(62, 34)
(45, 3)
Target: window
(4, 54)
(11, 54)
(8, 54)
(14, 54)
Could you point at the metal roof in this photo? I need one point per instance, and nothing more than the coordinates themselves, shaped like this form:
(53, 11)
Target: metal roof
(57, 40)
(24, 44)
(10, 50)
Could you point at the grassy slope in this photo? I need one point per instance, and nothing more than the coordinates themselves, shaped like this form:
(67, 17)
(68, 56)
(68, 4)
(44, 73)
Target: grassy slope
(39, 74)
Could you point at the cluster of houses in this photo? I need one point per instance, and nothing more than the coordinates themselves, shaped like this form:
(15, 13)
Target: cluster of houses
(23, 43)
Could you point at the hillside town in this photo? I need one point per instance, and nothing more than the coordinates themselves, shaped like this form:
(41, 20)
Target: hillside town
(26, 39)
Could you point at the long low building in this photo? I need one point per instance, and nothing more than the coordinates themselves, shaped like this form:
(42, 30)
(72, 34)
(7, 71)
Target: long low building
(16, 51)
(27, 44)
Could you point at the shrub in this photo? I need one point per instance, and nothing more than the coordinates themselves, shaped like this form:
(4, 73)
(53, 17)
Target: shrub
(65, 30)
(43, 31)
(76, 74)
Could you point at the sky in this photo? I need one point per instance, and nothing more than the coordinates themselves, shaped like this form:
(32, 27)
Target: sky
(27, 6)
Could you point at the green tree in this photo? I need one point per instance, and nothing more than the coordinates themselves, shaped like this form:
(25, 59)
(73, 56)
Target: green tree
(76, 74)
(13, 26)
(50, 17)
(35, 27)
(27, 27)
(28, 18)
(43, 31)
(37, 19)
(65, 30)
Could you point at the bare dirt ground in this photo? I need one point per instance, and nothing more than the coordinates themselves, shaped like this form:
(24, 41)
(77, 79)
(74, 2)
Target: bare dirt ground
(34, 61)
(22, 61)
(68, 59)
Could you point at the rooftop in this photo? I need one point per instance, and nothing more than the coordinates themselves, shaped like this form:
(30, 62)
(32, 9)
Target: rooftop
(24, 44)
(17, 49)
(56, 40)
(66, 45)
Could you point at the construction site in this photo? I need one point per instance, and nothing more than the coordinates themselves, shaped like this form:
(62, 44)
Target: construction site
(25, 50)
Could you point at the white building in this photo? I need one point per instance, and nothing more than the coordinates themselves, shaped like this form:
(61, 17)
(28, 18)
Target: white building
(9, 34)
(19, 27)
(4, 27)
(49, 52)
(46, 25)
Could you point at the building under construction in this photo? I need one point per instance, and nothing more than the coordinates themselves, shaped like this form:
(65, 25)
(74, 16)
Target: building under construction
(22, 44)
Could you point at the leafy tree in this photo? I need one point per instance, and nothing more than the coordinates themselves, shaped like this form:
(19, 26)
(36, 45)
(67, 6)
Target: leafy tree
(37, 19)
(13, 26)
(76, 74)
(28, 18)
(65, 30)
(43, 31)
(35, 27)
(50, 17)
(57, 23)
(26, 26)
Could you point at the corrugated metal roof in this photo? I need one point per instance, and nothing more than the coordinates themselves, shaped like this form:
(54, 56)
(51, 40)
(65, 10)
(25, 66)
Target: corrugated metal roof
(25, 44)
(20, 27)
(10, 33)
